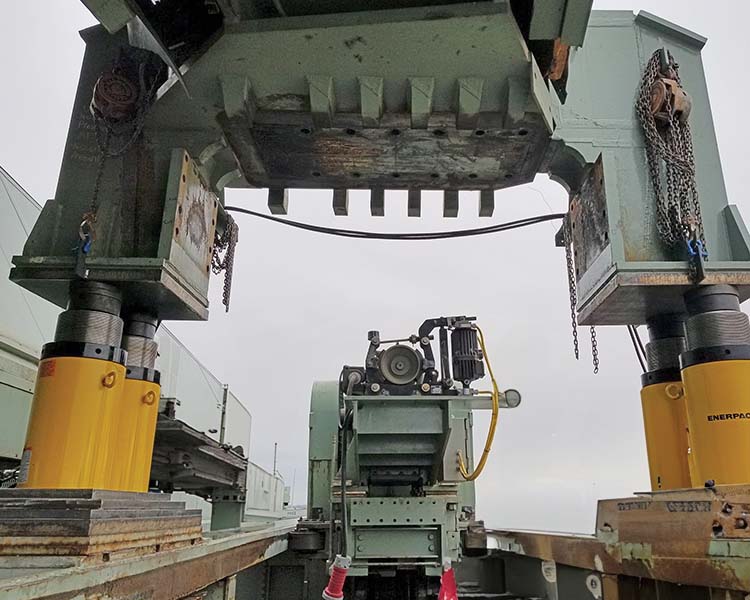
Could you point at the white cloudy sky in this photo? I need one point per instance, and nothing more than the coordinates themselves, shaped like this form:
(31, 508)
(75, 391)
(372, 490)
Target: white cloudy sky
(302, 304)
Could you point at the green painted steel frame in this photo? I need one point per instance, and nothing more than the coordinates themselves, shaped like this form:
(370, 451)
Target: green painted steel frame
(631, 275)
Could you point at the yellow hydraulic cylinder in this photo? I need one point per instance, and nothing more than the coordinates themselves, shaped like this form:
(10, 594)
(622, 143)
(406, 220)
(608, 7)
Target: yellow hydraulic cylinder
(718, 413)
(68, 441)
(667, 438)
(136, 426)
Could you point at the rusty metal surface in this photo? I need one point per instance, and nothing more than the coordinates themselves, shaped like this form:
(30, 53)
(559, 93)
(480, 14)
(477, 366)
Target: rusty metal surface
(622, 559)
(442, 157)
(91, 525)
(169, 575)
(589, 220)
(685, 537)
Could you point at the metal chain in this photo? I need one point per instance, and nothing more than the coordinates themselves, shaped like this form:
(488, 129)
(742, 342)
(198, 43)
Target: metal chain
(594, 350)
(104, 132)
(225, 244)
(671, 160)
(572, 290)
(87, 228)
(132, 129)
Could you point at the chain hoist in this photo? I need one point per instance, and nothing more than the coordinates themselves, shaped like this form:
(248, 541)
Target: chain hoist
(118, 107)
(663, 108)
(225, 245)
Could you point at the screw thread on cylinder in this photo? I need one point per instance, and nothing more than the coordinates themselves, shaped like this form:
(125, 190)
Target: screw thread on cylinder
(715, 318)
(139, 342)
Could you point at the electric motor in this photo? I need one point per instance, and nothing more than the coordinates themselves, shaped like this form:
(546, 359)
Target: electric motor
(468, 362)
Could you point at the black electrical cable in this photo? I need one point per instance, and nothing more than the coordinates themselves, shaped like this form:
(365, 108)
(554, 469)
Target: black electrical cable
(637, 346)
(640, 343)
(344, 444)
(370, 235)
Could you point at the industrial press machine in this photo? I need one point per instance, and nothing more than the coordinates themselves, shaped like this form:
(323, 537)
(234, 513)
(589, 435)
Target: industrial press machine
(180, 101)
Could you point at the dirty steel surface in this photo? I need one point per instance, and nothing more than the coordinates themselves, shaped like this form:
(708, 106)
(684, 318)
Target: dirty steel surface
(92, 524)
(168, 575)
(623, 559)
(688, 537)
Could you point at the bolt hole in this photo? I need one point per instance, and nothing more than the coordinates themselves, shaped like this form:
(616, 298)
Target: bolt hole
(157, 548)
(395, 132)
(727, 351)
(717, 528)
(395, 175)
(177, 231)
(355, 520)
(439, 132)
(316, 173)
(381, 520)
(105, 557)
(305, 130)
(435, 175)
(479, 132)
(183, 178)
(351, 131)
(367, 520)
(473, 175)
(356, 175)
(523, 132)
(98, 350)
(508, 176)
(179, 209)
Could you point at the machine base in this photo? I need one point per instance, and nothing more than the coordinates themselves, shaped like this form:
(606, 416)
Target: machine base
(658, 543)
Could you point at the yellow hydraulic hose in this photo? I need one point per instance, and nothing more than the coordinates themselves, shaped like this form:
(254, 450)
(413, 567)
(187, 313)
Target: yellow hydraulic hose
(493, 422)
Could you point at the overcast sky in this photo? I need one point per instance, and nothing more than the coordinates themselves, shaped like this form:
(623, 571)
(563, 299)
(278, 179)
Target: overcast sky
(302, 304)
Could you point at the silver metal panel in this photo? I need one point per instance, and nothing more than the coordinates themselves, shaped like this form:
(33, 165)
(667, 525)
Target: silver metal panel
(26, 321)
